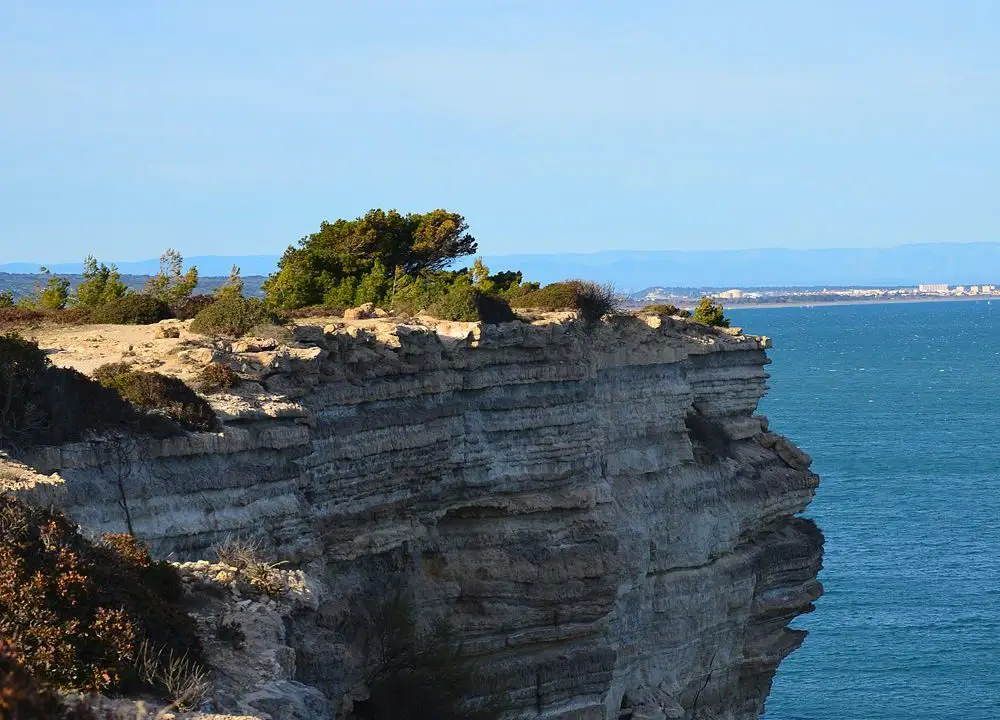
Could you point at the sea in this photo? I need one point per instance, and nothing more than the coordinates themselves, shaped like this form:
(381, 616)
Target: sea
(898, 404)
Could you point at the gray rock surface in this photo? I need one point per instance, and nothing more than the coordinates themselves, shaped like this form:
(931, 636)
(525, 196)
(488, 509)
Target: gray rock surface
(606, 523)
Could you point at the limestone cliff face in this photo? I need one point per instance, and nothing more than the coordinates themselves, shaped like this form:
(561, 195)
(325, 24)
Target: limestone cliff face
(607, 524)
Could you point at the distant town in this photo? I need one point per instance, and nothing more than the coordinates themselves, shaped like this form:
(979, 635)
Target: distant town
(804, 296)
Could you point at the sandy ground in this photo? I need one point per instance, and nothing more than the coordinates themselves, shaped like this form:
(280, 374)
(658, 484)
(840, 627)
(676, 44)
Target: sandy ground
(87, 347)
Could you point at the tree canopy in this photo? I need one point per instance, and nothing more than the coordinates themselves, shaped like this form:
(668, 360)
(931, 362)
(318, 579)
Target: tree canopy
(171, 283)
(101, 284)
(367, 255)
(710, 313)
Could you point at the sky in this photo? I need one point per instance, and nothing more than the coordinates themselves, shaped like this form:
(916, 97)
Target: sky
(235, 128)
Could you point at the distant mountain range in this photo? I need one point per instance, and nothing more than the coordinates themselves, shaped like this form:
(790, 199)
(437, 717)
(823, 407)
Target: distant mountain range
(208, 265)
(951, 263)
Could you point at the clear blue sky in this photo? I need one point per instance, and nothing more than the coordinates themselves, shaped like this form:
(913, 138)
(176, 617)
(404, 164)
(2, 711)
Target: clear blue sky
(235, 127)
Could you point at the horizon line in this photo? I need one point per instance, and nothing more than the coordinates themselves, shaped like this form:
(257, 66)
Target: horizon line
(592, 252)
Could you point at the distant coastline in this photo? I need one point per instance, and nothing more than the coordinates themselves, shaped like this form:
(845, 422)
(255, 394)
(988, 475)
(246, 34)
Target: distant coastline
(875, 301)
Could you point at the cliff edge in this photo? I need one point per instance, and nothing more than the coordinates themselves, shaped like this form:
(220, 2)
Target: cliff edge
(610, 529)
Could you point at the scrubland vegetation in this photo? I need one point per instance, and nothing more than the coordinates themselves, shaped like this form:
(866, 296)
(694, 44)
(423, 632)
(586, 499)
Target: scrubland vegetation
(82, 616)
(395, 262)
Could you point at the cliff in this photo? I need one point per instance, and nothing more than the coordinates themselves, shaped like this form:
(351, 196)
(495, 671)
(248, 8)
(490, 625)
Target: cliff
(610, 529)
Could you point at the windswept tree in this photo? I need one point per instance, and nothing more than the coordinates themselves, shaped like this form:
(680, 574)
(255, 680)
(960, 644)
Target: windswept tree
(233, 287)
(100, 284)
(171, 283)
(710, 313)
(373, 252)
(53, 295)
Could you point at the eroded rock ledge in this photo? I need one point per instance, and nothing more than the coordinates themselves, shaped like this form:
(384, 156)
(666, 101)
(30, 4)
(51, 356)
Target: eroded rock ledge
(608, 525)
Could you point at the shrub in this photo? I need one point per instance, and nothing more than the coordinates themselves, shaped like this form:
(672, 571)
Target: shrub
(247, 557)
(232, 288)
(187, 307)
(469, 304)
(154, 391)
(21, 316)
(20, 694)
(239, 552)
(493, 309)
(181, 678)
(555, 296)
(101, 284)
(710, 313)
(231, 317)
(78, 613)
(374, 286)
(6, 298)
(666, 309)
(51, 296)
(131, 309)
(45, 405)
(595, 300)
(171, 284)
(592, 300)
(414, 294)
(217, 376)
(22, 697)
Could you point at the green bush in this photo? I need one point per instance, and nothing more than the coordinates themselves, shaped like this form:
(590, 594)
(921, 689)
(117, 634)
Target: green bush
(414, 294)
(465, 303)
(349, 262)
(187, 307)
(710, 313)
(231, 317)
(217, 376)
(666, 309)
(45, 405)
(171, 284)
(6, 298)
(101, 284)
(233, 287)
(53, 295)
(157, 392)
(131, 309)
(555, 296)
(79, 615)
(592, 300)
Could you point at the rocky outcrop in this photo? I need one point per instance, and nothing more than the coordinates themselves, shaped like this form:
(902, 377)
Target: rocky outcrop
(598, 511)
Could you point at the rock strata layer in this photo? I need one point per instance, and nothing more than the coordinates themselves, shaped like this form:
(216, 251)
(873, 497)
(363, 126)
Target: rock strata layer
(609, 528)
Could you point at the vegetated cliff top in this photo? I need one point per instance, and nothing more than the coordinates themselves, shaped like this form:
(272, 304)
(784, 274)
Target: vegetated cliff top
(151, 347)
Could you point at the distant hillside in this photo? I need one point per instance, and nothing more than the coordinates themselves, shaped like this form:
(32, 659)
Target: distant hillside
(952, 263)
(24, 283)
(208, 265)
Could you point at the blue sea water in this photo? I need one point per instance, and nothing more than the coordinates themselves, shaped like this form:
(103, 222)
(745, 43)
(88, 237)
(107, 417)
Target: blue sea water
(899, 406)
